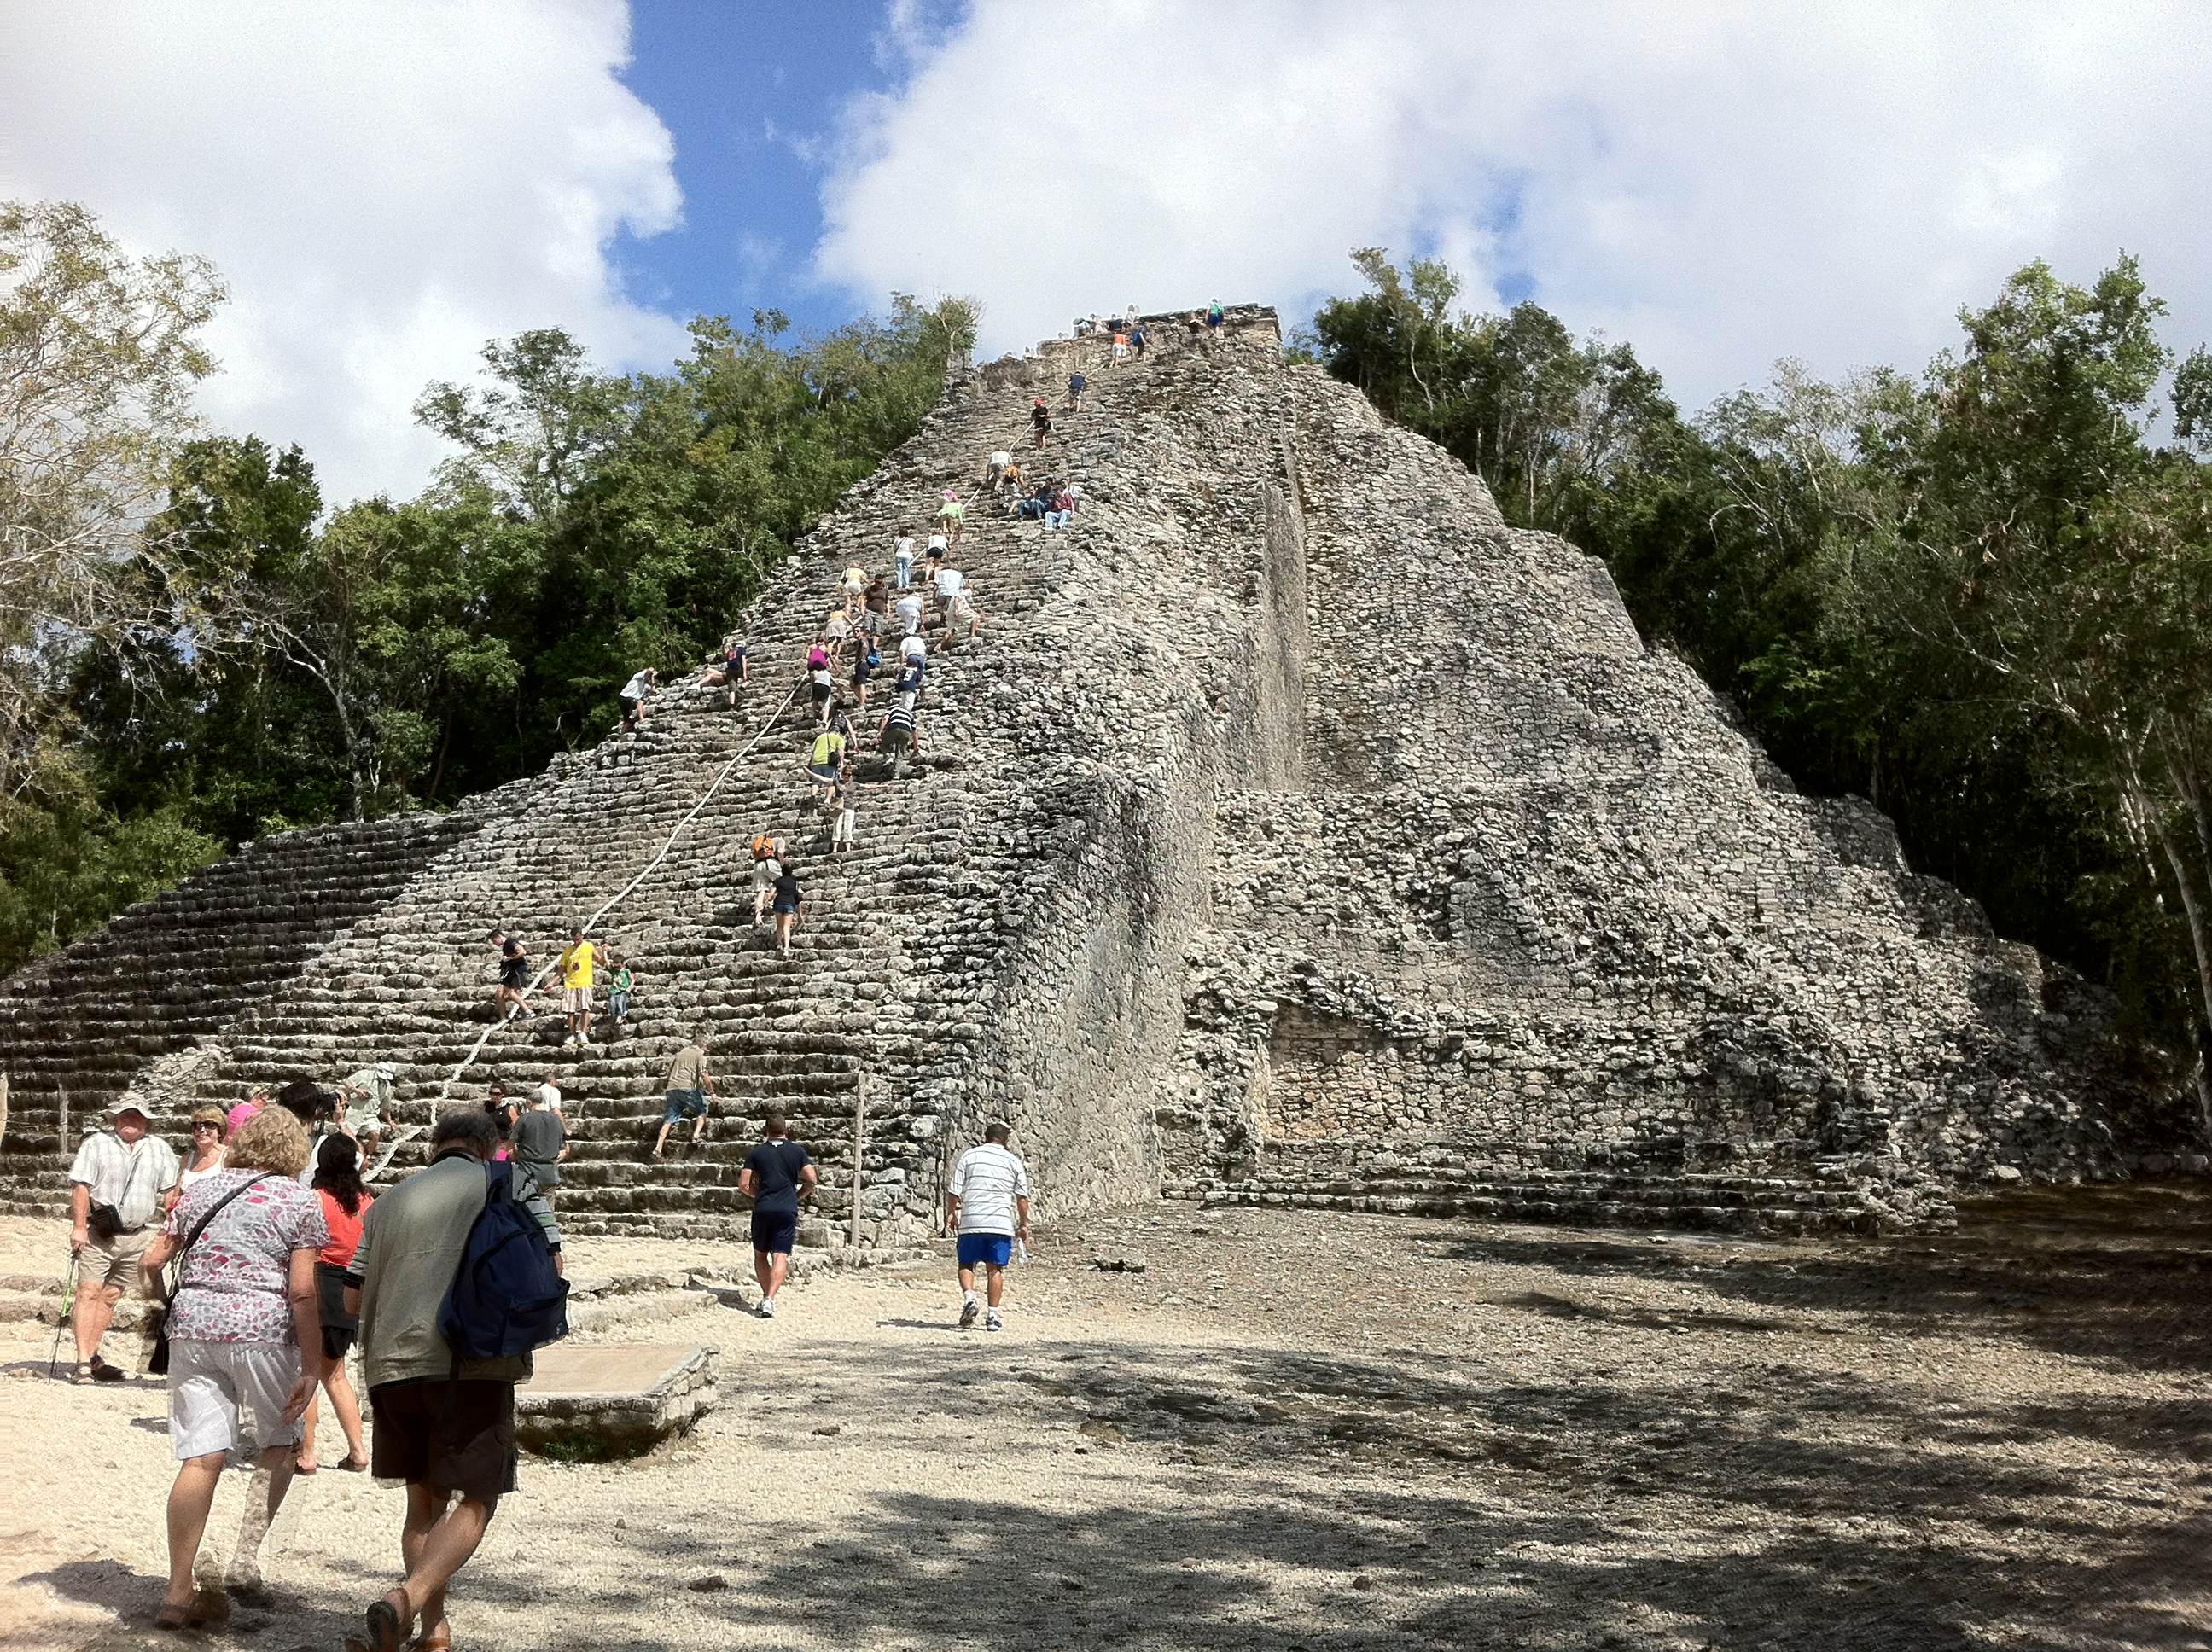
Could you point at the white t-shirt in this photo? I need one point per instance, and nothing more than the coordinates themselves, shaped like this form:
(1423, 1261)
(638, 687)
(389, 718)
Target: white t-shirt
(547, 1095)
(936, 542)
(636, 688)
(909, 610)
(914, 648)
(1001, 459)
(949, 582)
(986, 1180)
(904, 551)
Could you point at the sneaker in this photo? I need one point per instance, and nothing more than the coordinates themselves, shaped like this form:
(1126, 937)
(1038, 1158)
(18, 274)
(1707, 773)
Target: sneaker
(992, 1322)
(767, 1309)
(967, 1314)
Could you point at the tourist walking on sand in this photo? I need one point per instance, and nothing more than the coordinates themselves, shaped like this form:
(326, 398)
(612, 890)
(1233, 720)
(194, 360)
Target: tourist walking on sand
(788, 904)
(204, 1157)
(688, 1084)
(578, 959)
(987, 1204)
(118, 1186)
(246, 1348)
(344, 1202)
(444, 1425)
(635, 694)
(777, 1175)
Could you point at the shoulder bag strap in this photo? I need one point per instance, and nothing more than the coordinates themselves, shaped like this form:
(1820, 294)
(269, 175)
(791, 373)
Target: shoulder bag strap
(201, 1226)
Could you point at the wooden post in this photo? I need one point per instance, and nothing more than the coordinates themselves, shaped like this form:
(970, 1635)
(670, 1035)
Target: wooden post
(3, 1104)
(860, 1134)
(61, 1104)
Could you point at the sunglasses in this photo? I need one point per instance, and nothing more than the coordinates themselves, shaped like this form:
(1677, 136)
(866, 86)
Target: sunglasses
(199, 1127)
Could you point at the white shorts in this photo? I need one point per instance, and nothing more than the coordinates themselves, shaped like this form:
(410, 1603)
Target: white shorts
(844, 832)
(212, 1383)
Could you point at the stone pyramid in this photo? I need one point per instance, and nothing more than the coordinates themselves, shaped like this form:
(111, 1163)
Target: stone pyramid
(1294, 831)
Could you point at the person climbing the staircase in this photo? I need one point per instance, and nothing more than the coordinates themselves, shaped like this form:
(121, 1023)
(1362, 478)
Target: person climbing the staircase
(987, 1204)
(687, 1085)
(824, 758)
(865, 666)
(909, 609)
(778, 1175)
(1120, 347)
(948, 580)
(822, 685)
(1075, 387)
(1214, 318)
(899, 735)
(1010, 483)
(1039, 422)
(875, 607)
(1136, 339)
(935, 559)
(507, 997)
(768, 866)
(902, 560)
(852, 587)
(635, 694)
(578, 961)
(789, 905)
(995, 470)
(730, 665)
(844, 808)
(951, 516)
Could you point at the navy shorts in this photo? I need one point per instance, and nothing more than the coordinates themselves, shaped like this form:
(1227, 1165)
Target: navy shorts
(684, 1104)
(775, 1230)
(996, 1249)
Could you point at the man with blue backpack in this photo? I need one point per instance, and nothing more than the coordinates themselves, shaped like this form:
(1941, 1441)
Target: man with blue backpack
(455, 1284)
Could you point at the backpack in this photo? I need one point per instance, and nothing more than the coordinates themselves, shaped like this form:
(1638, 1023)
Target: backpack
(763, 848)
(507, 1296)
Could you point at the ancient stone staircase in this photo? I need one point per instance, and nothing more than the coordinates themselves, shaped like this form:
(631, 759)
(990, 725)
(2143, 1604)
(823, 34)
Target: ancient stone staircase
(1295, 832)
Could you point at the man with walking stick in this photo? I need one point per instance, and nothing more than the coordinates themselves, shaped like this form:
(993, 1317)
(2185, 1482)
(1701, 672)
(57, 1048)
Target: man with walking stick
(116, 1188)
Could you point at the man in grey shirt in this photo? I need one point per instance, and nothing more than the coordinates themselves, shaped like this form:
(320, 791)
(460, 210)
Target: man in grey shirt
(448, 1431)
(116, 1184)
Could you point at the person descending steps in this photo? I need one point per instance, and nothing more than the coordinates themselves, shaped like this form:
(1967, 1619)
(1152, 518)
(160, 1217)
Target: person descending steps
(577, 963)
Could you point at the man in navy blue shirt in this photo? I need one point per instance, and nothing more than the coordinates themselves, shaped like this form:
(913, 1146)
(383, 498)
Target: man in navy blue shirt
(777, 1175)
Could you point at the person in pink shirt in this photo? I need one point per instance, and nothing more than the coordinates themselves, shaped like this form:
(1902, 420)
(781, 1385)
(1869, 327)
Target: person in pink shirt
(255, 1100)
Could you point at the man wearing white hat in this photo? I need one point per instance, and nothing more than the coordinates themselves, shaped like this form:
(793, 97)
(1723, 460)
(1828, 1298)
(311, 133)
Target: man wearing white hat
(116, 1186)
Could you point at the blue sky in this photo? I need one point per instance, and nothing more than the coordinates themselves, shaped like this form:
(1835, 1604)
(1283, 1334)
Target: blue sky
(753, 94)
(387, 184)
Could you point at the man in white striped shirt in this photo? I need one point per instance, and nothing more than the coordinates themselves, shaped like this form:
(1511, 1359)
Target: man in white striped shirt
(987, 1201)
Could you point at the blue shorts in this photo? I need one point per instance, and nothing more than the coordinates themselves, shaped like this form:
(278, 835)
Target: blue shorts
(774, 1231)
(684, 1104)
(995, 1248)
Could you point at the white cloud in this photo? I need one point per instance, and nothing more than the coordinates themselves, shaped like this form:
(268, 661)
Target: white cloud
(1721, 183)
(385, 184)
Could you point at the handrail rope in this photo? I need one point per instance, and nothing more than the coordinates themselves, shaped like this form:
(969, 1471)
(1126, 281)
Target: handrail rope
(445, 1089)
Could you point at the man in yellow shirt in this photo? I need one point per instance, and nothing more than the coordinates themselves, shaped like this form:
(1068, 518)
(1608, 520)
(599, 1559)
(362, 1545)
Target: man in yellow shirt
(576, 988)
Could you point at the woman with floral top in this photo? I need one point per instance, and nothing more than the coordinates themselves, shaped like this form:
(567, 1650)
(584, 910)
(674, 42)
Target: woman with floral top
(245, 1343)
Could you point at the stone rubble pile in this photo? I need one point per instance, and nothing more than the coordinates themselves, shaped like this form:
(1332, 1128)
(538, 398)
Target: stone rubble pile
(1294, 832)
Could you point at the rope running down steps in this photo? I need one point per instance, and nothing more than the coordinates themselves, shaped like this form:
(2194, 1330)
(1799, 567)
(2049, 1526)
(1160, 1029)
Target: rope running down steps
(446, 1088)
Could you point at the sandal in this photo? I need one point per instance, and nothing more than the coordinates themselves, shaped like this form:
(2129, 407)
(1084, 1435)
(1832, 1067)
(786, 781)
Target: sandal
(350, 1464)
(173, 1618)
(439, 1639)
(83, 1379)
(299, 1467)
(387, 1629)
(104, 1372)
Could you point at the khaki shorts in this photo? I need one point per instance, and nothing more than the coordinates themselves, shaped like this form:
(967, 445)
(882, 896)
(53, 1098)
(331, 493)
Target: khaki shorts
(119, 1257)
(576, 1000)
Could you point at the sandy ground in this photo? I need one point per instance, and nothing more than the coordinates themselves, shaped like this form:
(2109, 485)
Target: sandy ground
(1303, 1431)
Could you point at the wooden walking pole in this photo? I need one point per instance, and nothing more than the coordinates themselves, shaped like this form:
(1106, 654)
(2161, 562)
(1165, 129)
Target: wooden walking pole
(860, 1134)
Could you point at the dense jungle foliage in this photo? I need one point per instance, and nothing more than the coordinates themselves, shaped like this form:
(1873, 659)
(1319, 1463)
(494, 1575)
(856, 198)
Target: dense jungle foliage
(1977, 595)
(196, 648)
